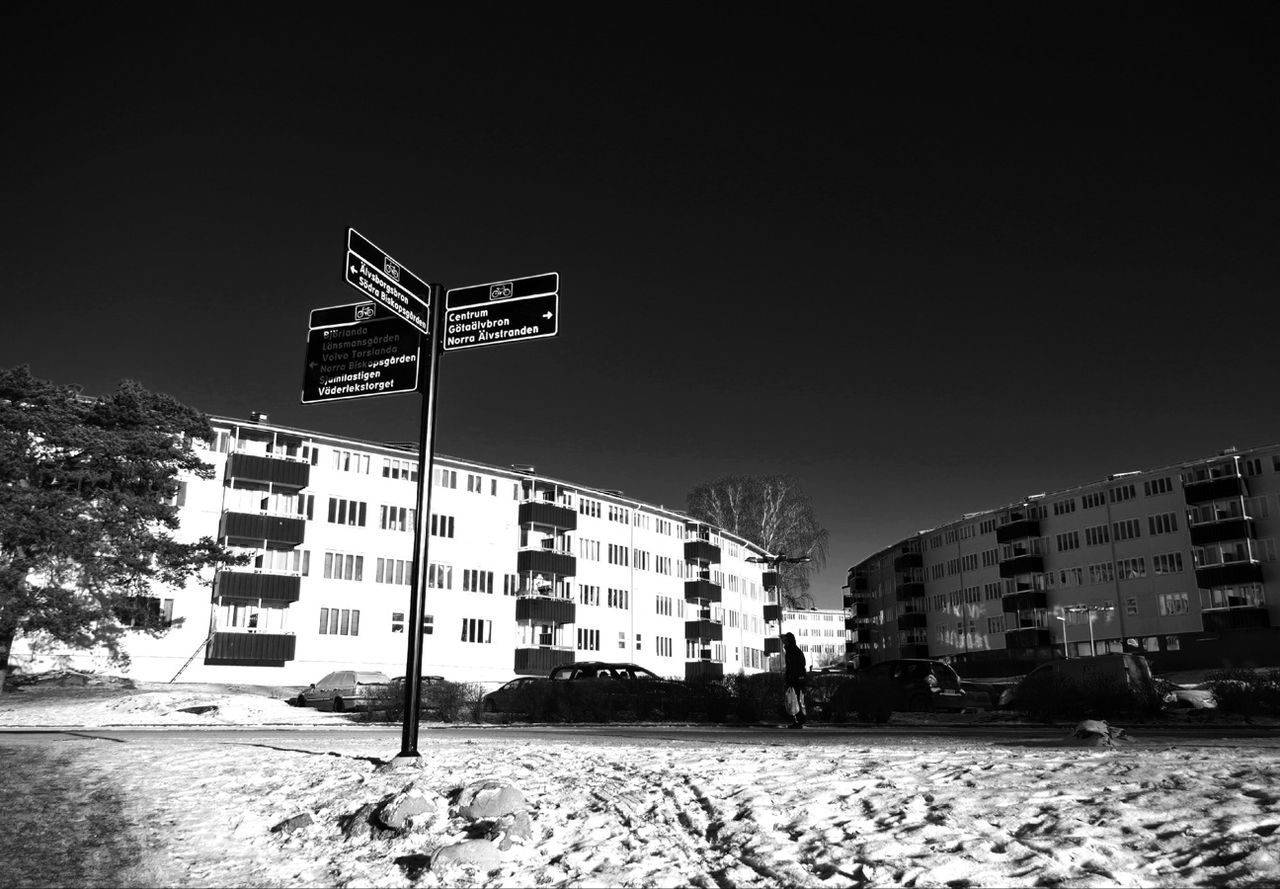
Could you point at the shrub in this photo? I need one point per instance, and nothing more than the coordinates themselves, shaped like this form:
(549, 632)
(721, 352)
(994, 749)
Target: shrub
(1246, 692)
(445, 701)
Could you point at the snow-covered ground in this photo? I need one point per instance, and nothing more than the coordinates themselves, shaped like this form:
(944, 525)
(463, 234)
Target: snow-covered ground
(764, 812)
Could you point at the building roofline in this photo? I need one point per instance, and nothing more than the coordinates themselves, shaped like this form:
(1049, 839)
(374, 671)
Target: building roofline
(402, 450)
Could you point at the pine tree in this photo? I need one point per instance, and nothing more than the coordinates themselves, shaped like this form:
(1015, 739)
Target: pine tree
(87, 494)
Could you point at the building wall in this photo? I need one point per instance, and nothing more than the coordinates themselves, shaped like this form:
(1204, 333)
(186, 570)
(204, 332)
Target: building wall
(1168, 561)
(356, 553)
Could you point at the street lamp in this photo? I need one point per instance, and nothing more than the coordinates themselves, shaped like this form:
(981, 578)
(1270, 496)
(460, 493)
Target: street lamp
(1063, 618)
(773, 562)
(1091, 610)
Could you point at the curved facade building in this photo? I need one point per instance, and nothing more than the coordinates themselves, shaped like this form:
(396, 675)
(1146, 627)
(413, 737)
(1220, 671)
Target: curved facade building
(1178, 563)
(525, 572)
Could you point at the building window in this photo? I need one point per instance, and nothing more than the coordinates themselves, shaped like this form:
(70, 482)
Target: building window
(339, 622)
(477, 581)
(1128, 529)
(441, 525)
(343, 566)
(477, 630)
(1123, 493)
(396, 518)
(1157, 486)
(349, 461)
(447, 478)
(1131, 606)
(1165, 523)
(1090, 501)
(439, 577)
(1167, 563)
(397, 621)
(346, 512)
(394, 571)
(1173, 603)
(1097, 535)
(1069, 540)
(588, 640)
(1131, 569)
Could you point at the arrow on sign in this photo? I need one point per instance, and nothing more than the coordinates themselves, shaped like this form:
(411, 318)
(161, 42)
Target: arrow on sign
(547, 316)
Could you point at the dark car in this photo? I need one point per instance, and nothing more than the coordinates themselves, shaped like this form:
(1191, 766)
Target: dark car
(1126, 673)
(607, 687)
(922, 684)
(516, 696)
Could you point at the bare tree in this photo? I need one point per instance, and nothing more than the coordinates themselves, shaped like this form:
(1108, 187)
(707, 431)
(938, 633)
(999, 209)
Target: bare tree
(773, 512)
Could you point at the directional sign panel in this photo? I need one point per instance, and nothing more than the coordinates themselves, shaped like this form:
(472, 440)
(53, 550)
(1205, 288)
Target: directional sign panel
(359, 350)
(502, 312)
(379, 277)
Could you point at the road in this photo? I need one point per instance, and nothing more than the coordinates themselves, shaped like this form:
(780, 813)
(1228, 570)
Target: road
(388, 737)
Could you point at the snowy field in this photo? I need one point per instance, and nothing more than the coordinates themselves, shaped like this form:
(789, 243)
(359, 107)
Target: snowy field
(302, 810)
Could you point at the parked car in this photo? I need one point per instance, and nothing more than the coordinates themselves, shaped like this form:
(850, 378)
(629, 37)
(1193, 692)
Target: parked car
(612, 687)
(513, 697)
(345, 690)
(1116, 672)
(922, 684)
(428, 691)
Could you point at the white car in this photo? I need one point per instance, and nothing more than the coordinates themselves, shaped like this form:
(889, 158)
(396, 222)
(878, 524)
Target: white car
(345, 690)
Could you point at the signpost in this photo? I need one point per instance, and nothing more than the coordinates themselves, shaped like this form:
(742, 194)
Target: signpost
(502, 312)
(365, 349)
(359, 350)
(377, 276)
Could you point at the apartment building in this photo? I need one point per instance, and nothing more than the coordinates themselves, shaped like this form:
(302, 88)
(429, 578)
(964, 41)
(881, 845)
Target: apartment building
(819, 632)
(1173, 562)
(526, 572)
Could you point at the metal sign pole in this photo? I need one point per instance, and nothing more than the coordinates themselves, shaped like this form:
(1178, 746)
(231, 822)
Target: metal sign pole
(422, 533)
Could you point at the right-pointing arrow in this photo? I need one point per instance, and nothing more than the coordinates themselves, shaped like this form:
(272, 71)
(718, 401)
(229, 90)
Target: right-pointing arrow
(547, 316)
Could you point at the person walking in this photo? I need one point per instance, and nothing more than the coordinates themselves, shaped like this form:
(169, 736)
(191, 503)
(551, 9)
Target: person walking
(794, 674)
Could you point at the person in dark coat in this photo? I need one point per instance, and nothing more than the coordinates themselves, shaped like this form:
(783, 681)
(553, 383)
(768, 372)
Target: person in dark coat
(794, 674)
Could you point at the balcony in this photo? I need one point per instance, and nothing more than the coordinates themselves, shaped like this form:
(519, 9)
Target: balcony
(704, 552)
(250, 649)
(258, 585)
(910, 590)
(772, 613)
(1218, 530)
(703, 670)
(271, 470)
(912, 620)
(707, 630)
(907, 561)
(769, 580)
(858, 584)
(546, 562)
(1029, 600)
(1019, 529)
(1027, 637)
(1218, 620)
(1218, 488)
(542, 660)
(857, 611)
(548, 514)
(1022, 563)
(772, 645)
(545, 610)
(913, 650)
(701, 590)
(272, 528)
(1228, 574)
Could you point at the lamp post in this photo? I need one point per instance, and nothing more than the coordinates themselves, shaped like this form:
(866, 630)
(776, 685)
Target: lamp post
(1065, 654)
(1091, 610)
(773, 562)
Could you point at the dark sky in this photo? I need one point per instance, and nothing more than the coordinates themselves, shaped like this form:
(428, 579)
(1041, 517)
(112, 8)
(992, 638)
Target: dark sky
(926, 258)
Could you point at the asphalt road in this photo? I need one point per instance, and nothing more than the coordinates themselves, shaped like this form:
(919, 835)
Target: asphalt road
(389, 737)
